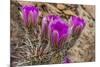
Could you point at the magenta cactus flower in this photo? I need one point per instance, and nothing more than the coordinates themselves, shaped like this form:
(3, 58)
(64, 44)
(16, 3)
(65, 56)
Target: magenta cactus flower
(77, 24)
(45, 23)
(30, 15)
(59, 32)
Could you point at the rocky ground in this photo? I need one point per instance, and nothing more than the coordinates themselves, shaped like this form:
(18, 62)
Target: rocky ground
(30, 49)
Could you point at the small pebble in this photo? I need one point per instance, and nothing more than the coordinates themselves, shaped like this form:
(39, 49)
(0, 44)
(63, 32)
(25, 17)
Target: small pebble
(60, 6)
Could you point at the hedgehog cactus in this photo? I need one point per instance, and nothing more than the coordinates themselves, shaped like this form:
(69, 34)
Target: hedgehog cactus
(30, 15)
(53, 26)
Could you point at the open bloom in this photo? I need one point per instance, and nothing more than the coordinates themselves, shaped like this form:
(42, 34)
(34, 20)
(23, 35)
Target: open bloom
(59, 32)
(30, 15)
(77, 24)
(45, 23)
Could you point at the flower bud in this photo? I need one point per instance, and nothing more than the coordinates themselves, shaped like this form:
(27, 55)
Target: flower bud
(77, 25)
(66, 60)
(30, 15)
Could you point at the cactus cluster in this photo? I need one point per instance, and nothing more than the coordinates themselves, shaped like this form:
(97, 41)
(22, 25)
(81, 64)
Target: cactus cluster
(54, 27)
